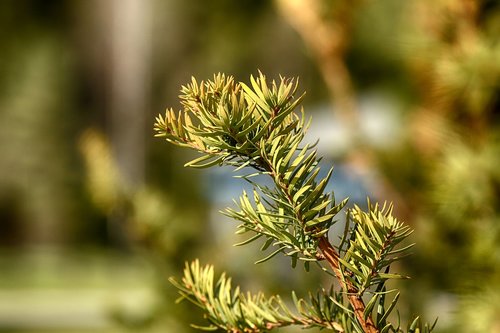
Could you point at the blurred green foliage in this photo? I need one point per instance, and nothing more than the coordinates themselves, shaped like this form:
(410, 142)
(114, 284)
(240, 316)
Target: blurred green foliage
(440, 60)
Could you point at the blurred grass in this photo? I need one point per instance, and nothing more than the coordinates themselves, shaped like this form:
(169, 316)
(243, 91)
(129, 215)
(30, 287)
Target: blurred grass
(50, 290)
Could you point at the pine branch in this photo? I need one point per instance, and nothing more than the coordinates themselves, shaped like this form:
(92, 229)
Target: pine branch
(256, 127)
(372, 245)
(230, 309)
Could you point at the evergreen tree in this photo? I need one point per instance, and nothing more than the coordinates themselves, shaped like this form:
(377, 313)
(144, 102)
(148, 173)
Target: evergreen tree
(256, 127)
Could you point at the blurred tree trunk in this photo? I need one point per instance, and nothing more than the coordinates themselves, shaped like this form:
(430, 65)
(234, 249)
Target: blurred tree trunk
(326, 32)
(130, 59)
(326, 29)
(116, 36)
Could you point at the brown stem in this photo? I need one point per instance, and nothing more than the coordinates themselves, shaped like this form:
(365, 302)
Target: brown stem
(357, 303)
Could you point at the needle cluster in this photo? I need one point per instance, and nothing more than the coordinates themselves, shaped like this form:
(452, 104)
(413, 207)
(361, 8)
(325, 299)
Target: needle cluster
(257, 127)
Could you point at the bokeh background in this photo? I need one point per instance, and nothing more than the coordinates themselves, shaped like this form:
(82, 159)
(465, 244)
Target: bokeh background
(96, 214)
